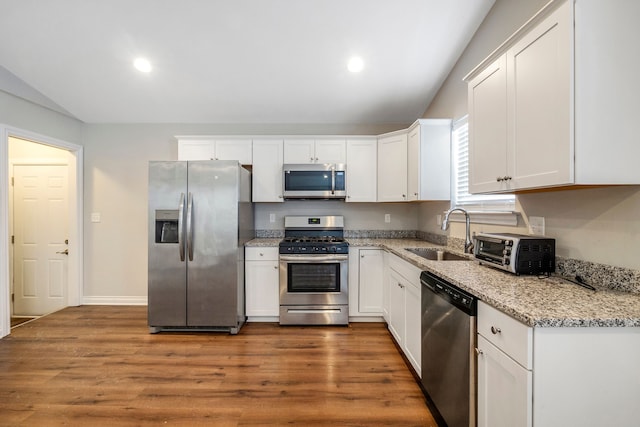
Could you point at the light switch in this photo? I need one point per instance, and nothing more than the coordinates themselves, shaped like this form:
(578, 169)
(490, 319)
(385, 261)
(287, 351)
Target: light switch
(387, 218)
(272, 217)
(95, 217)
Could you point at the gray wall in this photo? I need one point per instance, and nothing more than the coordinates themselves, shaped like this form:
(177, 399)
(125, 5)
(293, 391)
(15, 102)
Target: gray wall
(116, 159)
(598, 225)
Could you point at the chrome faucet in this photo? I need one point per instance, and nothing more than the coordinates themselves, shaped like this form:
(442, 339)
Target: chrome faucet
(468, 244)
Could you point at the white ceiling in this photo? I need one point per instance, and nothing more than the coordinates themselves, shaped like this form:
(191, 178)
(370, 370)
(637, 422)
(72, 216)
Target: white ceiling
(236, 61)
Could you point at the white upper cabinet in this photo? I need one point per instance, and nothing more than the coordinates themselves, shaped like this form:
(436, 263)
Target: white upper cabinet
(539, 103)
(429, 160)
(553, 106)
(267, 170)
(308, 150)
(362, 157)
(215, 149)
(488, 129)
(392, 168)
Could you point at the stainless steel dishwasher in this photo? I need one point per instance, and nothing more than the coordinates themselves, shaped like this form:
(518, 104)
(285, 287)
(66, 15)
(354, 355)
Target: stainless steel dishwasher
(448, 345)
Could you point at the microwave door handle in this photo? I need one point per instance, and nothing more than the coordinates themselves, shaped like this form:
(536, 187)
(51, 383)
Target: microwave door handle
(181, 227)
(190, 226)
(333, 180)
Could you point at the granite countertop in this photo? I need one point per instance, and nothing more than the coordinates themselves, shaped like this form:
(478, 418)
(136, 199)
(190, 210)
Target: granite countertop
(537, 302)
(263, 242)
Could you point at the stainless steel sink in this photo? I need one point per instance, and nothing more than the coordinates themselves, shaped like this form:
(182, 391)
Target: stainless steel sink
(436, 255)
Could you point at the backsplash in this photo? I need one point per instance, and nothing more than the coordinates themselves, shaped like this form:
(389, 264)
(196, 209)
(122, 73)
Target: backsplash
(600, 275)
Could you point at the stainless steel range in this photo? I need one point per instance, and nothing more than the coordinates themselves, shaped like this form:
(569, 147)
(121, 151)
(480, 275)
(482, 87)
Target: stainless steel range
(313, 271)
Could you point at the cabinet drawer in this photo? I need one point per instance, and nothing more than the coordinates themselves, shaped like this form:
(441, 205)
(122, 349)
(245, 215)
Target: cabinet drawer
(506, 333)
(261, 253)
(406, 270)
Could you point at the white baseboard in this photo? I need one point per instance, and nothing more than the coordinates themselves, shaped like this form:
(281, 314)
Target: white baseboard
(114, 300)
(366, 319)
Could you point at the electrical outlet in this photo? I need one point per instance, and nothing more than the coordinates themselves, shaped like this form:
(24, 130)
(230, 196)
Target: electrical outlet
(272, 217)
(536, 225)
(438, 219)
(95, 217)
(387, 218)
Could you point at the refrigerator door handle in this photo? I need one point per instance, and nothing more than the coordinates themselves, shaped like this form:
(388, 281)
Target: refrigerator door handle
(190, 226)
(181, 227)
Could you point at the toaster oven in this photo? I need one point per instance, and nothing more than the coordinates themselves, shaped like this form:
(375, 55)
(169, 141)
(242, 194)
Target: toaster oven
(516, 253)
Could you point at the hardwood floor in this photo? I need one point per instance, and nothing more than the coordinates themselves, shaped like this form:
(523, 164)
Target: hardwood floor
(99, 366)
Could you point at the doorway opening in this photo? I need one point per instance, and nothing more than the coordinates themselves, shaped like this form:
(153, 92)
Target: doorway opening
(41, 202)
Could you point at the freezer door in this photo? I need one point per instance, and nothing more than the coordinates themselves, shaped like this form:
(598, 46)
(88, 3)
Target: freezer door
(212, 244)
(167, 272)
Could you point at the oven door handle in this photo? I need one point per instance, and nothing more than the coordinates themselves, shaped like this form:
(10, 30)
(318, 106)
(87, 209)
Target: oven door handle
(314, 258)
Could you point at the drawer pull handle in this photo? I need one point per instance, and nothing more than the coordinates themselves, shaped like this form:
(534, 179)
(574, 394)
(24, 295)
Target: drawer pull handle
(495, 331)
(479, 352)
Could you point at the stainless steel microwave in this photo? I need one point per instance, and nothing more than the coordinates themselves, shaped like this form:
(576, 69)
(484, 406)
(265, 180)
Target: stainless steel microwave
(516, 253)
(314, 181)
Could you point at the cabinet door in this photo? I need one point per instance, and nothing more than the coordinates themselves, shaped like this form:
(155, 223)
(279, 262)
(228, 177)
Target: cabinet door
(370, 281)
(386, 281)
(299, 151)
(540, 103)
(361, 170)
(267, 170)
(413, 322)
(262, 293)
(331, 151)
(487, 96)
(196, 150)
(413, 164)
(504, 389)
(392, 168)
(396, 307)
(234, 149)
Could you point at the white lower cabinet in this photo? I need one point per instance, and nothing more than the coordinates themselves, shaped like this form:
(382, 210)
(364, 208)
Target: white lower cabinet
(404, 309)
(504, 389)
(262, 292)
(504, 352)
(555, 376)
(365, 282)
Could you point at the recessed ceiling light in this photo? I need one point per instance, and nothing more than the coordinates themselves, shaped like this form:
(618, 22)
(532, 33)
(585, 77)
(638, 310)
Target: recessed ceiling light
(142, 65)
(356, 64)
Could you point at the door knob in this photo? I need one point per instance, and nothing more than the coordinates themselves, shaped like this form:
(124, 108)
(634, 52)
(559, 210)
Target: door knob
(65, 252)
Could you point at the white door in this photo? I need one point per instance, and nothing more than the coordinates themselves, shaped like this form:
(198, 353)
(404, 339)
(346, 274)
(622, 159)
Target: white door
(362, 171)
(40, 203)
(392, 168)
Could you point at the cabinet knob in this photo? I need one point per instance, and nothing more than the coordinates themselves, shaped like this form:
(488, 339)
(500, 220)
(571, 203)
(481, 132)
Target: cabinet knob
(495, 331)
(499, 179)
(275, 266)
(316, 159)
(280, 196)
(404, 196)
(311, 159)
(361, 256)
(261, 254)
(479, 352)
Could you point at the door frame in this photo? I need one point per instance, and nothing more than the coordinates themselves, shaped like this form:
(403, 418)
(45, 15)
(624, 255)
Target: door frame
(76, 219)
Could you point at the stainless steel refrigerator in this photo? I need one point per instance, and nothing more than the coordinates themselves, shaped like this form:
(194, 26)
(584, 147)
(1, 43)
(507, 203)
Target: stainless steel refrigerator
(200, 216)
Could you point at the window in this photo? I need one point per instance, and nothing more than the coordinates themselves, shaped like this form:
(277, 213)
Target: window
(493, 205)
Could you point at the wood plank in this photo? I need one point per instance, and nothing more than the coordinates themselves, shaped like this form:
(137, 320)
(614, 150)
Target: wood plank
(98, 365)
